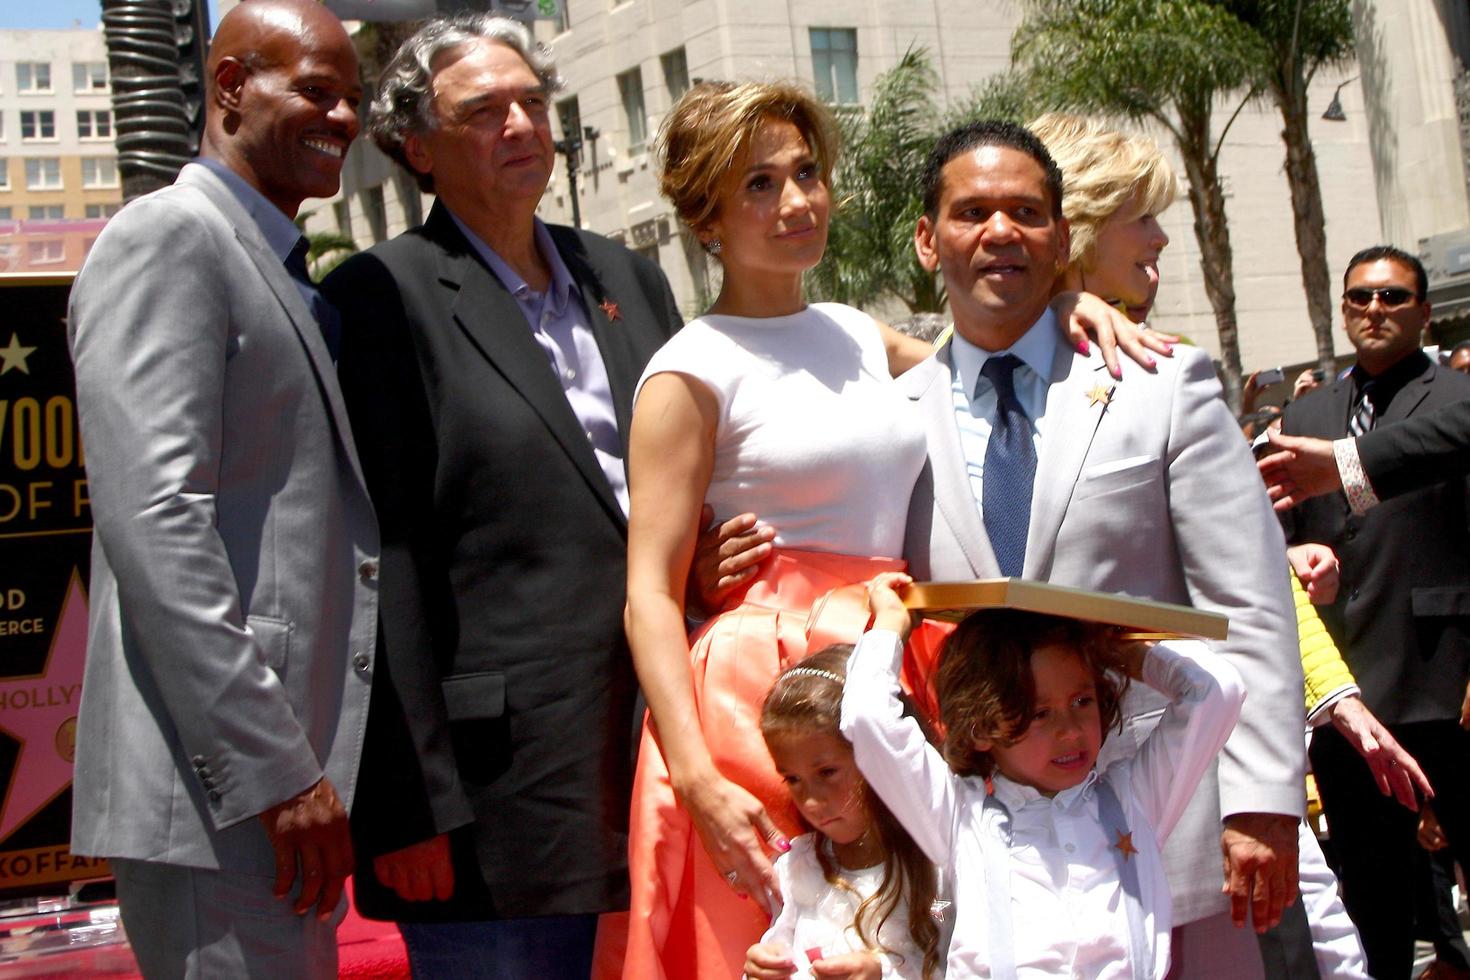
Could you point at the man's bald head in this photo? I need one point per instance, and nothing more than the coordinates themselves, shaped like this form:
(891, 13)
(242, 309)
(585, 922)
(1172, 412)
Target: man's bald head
(283, 92)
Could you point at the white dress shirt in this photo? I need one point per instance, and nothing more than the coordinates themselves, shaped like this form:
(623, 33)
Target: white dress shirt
(1067, 907)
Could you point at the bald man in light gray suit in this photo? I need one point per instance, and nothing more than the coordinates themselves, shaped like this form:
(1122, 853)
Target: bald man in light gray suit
(234, 593)
(1142, 486)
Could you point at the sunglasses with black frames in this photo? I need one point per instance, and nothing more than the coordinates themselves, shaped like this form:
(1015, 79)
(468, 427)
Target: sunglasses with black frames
(1390, 297)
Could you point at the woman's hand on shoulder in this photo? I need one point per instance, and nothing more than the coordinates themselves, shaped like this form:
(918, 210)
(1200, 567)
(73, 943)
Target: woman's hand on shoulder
(736, 831)
(1083, 314)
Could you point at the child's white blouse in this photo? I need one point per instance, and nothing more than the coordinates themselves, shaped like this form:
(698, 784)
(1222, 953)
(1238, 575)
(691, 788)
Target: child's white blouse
(1067, 911)
(815, 914)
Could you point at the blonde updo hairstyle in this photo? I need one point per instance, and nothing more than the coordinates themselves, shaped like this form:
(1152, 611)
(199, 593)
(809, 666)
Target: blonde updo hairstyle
(715, 122)
(1102, 169)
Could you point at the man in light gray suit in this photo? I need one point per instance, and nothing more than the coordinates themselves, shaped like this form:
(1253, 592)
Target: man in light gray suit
(1042, 465)
(233, 595)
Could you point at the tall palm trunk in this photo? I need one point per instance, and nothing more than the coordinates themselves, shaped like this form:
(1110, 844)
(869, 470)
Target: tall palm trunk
(1290, 95)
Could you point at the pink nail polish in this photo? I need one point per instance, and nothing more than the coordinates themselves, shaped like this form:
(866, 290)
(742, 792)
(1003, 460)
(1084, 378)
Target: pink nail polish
(1152, 363)
(1168, 348)
(783, 845)
(1084, 347)
(1117, 373)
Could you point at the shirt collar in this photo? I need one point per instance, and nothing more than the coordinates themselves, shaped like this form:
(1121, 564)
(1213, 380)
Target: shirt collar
(1017, 796)
(1037, 348)
(1387, 384)
(562, 283)
(279, 231)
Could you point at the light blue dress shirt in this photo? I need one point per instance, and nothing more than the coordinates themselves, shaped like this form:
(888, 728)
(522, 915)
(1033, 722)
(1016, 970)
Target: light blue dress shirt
(975, 400)
(559, 321)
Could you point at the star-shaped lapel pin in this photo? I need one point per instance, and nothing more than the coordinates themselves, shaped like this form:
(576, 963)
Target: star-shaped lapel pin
(1100, 394)
(14, 355)
(1124, 844)
(611, 309)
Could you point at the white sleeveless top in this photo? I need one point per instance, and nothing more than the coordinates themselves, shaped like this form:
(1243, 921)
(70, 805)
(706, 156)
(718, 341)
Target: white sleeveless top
(813, 438)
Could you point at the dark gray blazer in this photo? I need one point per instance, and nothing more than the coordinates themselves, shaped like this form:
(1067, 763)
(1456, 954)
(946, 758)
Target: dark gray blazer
(510, 717)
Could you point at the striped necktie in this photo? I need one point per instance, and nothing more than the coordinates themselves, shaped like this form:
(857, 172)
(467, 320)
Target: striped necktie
(1362, 418)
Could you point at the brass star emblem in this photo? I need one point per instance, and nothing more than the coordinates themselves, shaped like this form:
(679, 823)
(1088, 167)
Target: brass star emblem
(611, 309)
(1100, 393)
(1124, 844)
(14, 355)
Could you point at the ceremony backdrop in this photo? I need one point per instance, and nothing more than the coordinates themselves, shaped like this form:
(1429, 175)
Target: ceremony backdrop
(45, 537)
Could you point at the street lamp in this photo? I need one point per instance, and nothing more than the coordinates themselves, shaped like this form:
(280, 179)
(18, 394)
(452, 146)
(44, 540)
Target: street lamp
(571, 148)
(1334, 111)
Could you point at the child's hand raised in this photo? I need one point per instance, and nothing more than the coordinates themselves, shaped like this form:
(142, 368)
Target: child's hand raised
(769, 961)
(889, 612)
(848, 966)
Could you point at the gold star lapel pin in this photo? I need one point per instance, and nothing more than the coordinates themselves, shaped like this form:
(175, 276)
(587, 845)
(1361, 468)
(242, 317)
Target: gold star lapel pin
(1099, 394)
(611, 309)
(1124, 844)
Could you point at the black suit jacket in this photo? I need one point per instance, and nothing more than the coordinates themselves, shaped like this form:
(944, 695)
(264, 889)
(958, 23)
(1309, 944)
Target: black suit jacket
(508, 716)
(1426, 449)
(1402, 615)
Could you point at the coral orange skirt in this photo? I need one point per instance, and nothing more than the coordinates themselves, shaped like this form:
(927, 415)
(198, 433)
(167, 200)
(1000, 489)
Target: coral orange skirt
(686, 922)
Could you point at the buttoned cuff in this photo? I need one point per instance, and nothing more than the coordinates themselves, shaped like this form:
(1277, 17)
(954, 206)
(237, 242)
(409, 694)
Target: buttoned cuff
(1355, 485)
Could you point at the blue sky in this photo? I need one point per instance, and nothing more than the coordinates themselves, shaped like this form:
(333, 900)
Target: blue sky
(58, 13)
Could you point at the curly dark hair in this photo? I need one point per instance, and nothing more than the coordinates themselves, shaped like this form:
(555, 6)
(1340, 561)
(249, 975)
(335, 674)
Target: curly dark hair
(985, 687)
(807, 699)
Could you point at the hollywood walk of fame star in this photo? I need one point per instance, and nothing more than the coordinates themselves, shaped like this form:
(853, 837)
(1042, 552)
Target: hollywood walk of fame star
(35, 709)
(611, 309)
(1100, 393)
(1124, 844)
(14, 355)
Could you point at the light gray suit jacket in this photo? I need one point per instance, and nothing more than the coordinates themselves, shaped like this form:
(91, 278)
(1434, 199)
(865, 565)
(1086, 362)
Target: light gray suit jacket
(233, 603)
(1152, 494)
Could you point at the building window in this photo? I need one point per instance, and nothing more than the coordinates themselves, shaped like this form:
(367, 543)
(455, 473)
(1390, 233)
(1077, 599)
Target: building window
(46, 252)
(676, 72)
(33, 76)
(5, 214)
(43, 174)
(99, 172)
(4, 174)
(38, 124)
(630, 87)
(102, 210)
(45, 212)
(94, 124)
(89, 76)
(834, 64)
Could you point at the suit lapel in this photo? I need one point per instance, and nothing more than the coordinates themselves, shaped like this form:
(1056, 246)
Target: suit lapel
(618, 358)
(929, 385)
(1074, 409)
(273, 271)
(489, 315)
(1410, 397)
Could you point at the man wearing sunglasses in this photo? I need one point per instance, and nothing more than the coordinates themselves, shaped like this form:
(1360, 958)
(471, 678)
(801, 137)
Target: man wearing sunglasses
(1402, 615)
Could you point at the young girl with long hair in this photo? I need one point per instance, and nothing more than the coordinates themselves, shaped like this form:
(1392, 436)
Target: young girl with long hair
(858, 892)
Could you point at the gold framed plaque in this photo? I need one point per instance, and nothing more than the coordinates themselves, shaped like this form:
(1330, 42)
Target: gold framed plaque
(953, 601)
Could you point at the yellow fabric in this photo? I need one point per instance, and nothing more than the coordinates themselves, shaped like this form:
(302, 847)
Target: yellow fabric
(1322, 665)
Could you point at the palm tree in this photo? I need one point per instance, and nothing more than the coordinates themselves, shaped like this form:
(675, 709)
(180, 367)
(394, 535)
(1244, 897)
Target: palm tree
(1165, 61)
(1297, 39)
(870, 251)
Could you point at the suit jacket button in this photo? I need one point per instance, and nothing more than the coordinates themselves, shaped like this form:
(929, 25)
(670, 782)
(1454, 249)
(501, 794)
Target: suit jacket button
(368, 570)
(208, 783)
(198, 761)
(361, 661)
(214, 796)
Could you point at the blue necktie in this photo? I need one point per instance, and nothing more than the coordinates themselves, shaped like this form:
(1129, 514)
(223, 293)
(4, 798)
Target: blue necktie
(1010, 469)
(1363, 415)
(327, 317)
